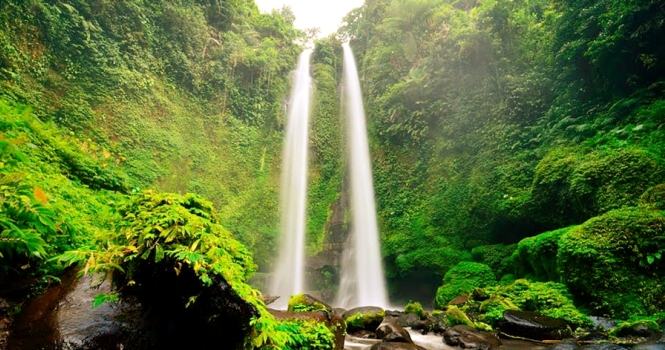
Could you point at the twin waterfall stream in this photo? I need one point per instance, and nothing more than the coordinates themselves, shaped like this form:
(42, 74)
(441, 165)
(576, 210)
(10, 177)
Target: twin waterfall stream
(362, 281)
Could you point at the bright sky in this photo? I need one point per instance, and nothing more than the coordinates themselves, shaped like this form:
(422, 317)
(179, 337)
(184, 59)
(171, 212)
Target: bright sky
(325, 14)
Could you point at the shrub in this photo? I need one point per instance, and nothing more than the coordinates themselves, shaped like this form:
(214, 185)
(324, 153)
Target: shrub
(615, 263)
(463, 279)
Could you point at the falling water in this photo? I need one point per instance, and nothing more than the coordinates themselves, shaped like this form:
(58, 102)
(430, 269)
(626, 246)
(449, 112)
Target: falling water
(288, 278)
(362, 282)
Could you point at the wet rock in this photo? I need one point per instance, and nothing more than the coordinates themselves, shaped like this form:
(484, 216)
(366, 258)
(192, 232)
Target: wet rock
(565, 345)
(63, 318)
(392, 332)
(423, 326)
(151, 316)
(533, 325)
(364, 334)
(339, 311)
(593, 336)
(649, 346)
(367, 318)
(641, 328)
(603, 347)
(396, 346)
(269, 299)
(408, 320)
(394, 313)
(602, 323)
(438, 320)
(469, 338)
(459, 300)
(306, 302)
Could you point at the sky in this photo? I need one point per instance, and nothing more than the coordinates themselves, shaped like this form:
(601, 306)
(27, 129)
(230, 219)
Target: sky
(325, 14)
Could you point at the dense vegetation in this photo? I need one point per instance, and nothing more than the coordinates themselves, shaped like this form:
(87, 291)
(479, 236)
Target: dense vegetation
(511, 139)
(493, 121)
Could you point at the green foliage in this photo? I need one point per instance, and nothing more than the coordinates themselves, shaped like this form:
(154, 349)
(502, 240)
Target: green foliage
(495, 256)
(654, 197)
(463, 279)
(307, 335)
(45, 210)
(572, 187)
(614, 262)
(537, 256)
(414, 307)
(26, 223)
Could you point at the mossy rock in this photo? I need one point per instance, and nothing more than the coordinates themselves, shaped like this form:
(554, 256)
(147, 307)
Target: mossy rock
(305, 302)
(456, 316)
(367, 318)
(493, 308)
(615, 262)
(548, 298)
(414, 307)
(639, 328)
(536, 256)
(463, 278)
(654, 198)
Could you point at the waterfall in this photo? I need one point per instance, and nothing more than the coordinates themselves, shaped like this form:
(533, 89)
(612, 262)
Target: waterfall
(288, 277)
(362, 279)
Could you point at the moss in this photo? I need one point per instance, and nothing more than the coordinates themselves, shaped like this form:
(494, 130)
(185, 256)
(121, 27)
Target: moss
(536, 256)
(570, 187)
(628, 328)
(414, 307)
(654, 198)
(493, 308)
(494, 255)
(456, 316)
(463, 279)
(614, 262)
(367, 320)
(304, 302)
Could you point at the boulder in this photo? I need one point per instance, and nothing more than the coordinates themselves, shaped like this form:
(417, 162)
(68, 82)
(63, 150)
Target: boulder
(649, 346)
(63, 318)
(396, 346)
(641, 328)
(153, 317)
(606, 346)
(565, 345)
(392, 332)
(533, 325)
(408, 320)
(367, 317)
(424, 326)
(438, 322)
(470, 338)
(306, 302)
